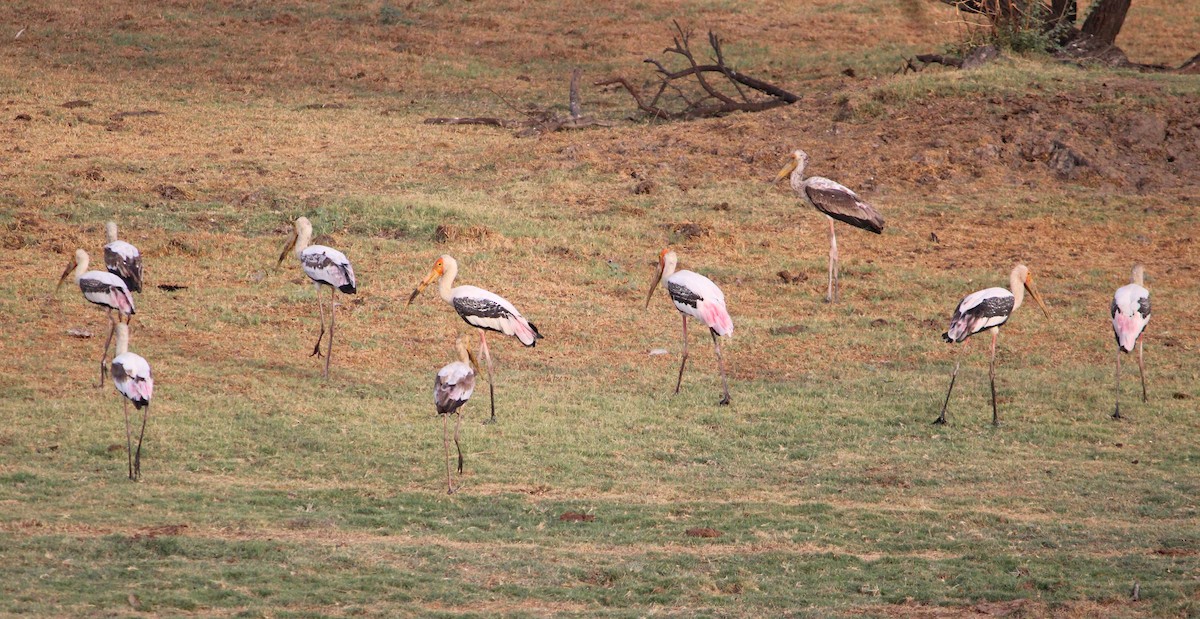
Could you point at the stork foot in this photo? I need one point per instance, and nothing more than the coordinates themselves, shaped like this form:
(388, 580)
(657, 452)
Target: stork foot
(1117, 414)
(724, 401)
(940, 421)
(452, 491)
(487, 422)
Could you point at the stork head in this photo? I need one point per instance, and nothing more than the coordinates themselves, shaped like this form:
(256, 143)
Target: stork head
(465, 354)
(667, 260)
(439, 268)
(1023, 273)
(80, 258)
(797, 160)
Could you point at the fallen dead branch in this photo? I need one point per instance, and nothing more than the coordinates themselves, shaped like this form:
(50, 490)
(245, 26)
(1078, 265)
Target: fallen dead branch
(536, 121)
(710, 101)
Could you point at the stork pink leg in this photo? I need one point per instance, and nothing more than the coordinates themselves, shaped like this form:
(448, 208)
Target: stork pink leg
(941, 420)
(992, 376)
(321, 306)
(1142, 370)
(107, 343)
(128, 439)
(137, 458)
(457, 425)
(487, 356)
(1117, 379)
(446, 446)
(683, 360)
(332, 313)
(831, 296)
(721, 366)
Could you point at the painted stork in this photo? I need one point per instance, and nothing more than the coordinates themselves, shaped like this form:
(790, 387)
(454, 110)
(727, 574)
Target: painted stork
(132, 378)
(1130, 315)
(325, 266)
(481, 309)
(697, 296)
(122, 259)
(103, 289)
(986, 310)
(452, 388)
(836, 201)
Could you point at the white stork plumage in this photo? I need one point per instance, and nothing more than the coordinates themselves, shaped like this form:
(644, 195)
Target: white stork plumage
(986, 310)
(1130, 315)
(122, 259)
(325, 266)
(836, 201)
(132, 378)
(481, 309)
(697, 296)
(104, 289)
(452, 387)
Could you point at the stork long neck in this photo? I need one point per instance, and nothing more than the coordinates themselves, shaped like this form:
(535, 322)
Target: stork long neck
(122, 340)
(303, 238)
(82, 262)
(1017, 287)
(798, 176)
(1139, 276)
(110, 231)
(669, 267)
(446, 283)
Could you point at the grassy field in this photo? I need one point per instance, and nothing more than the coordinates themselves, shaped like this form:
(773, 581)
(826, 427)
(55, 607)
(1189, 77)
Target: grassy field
(269, 492)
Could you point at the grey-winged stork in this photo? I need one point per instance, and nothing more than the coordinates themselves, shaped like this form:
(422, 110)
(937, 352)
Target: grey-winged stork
(104, 289)
(986, 310)
(1130, 315)
(122, 259)
(697, 296)
(481, 309)
(452, 387)
(132, 377)
(325, 266)
(836, 201)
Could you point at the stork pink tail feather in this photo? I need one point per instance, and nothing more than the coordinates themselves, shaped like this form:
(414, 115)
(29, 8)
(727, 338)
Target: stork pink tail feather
(524, 331)
(1126, 333)
(717, 318)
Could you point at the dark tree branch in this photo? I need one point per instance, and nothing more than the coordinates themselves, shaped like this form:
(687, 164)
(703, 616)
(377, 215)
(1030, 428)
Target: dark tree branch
(712, 101)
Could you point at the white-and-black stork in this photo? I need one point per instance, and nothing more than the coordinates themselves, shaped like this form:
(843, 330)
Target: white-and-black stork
(452, 387)
(122, 259)
(836, 201)
(697, 296)
(481, 309)
(325, 266)
(103, 289)
(986, 310)
(1130, 315)
(132, 378)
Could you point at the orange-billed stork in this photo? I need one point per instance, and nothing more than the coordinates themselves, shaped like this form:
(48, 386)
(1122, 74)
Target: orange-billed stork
(481, 309)
(836, 201)
(452, 388)
(697, 296)
(1130, 315)
(325, 266)
(103, 289)
(986, 310)
(122, 259)
(132, 378)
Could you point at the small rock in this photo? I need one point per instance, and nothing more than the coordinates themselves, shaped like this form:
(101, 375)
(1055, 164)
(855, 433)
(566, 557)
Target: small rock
(644, 187)
(23, 117)
(658, 351)
(980, 56)
(79, 333)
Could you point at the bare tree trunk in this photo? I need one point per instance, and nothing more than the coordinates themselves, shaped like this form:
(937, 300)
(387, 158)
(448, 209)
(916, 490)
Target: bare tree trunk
(1062, 12)
(1106, 19)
